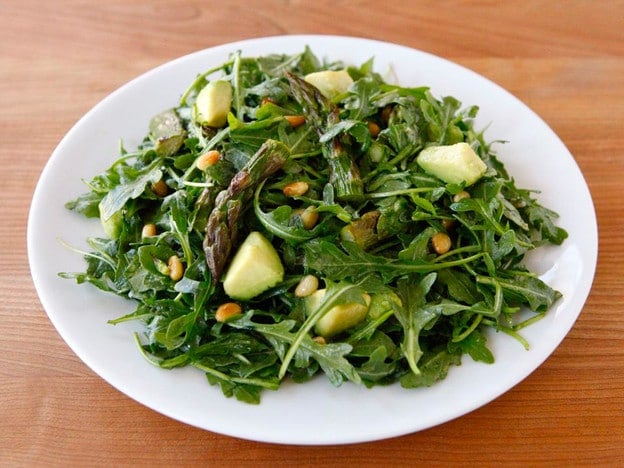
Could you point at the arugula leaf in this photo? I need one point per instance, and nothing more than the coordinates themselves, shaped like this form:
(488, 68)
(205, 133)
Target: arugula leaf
(525, 289)
(332, 262)
(544, 218)
(378, 212)
(329, 356)
(377, 368)
(86, 204)
(460, 286)
(413, 316)
(475, 344)
(136, 182)
(433, 368)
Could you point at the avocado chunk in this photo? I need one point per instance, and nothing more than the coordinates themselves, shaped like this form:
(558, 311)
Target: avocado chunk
(167, 133)
(256, 267)
(112, 225)
(213, 104)
(339, 318)
(330, 82)
(453, 164)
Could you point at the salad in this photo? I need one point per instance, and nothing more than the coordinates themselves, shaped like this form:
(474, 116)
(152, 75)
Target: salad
(293, 217)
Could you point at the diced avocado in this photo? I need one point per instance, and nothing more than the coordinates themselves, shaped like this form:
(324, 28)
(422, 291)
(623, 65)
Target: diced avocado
(330, 82)
(213, 104)
(256, 267)
(453, 164)
(339, 318)
(167, 133)
(112, 226)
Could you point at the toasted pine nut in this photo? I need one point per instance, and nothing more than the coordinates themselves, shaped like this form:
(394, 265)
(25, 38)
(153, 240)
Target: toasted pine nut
(307, 285)
(386, 112)
(149, 230)
(448, 224)
(160, 188)
(320, 340)
(374, 129)
(441, 243)
(295, 120)
(207, 159)
(460, 196)
(309, 217)
(176, 268)
(296, 189)
(227, 310)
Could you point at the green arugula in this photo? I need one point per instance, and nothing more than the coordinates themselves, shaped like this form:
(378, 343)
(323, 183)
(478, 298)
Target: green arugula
(376, 213)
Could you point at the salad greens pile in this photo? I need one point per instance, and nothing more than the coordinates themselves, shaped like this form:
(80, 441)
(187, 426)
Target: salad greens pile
(332, 180)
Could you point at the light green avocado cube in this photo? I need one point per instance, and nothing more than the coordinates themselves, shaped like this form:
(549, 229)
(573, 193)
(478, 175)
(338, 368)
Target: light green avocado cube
(453, 164)
(256, 267)
(112, 226)
(330, 82)
(339, 318)
(213, 104)
(167, 132)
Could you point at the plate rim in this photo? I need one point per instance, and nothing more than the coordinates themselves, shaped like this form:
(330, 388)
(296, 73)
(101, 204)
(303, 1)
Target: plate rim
(54, 318)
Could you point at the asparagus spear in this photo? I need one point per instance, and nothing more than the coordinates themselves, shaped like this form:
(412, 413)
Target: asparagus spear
(343, 173)
(222, 226)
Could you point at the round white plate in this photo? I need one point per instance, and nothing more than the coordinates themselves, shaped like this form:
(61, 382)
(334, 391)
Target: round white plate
(315, 412)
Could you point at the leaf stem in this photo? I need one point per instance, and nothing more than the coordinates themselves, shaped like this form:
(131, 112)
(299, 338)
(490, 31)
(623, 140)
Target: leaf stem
(404, 153)
(329, 300)
(200, 78)
(102, 256)
(457, 251)
(264, 383)
(475, 323)
(400, 192)
(238, 101)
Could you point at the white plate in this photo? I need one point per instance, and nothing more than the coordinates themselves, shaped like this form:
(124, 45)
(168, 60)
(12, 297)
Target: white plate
(315, 412)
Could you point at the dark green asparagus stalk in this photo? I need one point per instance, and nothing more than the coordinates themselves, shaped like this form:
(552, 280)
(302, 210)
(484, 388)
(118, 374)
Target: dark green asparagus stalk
(344, 175)
(222, 226)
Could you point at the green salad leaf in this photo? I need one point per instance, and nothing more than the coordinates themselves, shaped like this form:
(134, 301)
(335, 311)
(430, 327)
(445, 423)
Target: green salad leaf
(377, 271)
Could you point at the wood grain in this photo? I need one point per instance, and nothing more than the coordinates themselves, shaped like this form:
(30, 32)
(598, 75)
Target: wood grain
(58, 59)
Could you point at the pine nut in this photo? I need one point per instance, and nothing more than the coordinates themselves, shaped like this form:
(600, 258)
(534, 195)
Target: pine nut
(207, 159)
(149, 230)
(160, 188)
(227, 310)
(296, 189)
(441, 243)
(374, 129)
(309, 217)
(448, 224)
(320, 340)
(460, 196)
(176, 268)
(307, 285)
(295, 120)
(386, 112)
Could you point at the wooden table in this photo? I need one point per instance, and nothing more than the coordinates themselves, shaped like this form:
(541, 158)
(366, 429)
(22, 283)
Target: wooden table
(59, 58)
